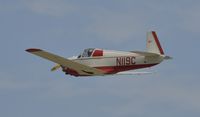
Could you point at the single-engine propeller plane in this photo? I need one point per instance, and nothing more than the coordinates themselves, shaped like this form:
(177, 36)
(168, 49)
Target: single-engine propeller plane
(99, 62)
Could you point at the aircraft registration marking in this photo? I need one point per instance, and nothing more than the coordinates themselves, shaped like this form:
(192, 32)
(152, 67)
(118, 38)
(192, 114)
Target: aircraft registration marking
(125, 61)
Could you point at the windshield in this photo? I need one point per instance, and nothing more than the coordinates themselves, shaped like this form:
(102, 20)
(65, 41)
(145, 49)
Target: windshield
(87, 52)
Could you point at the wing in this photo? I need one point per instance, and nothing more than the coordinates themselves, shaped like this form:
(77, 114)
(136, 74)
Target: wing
(80, 68)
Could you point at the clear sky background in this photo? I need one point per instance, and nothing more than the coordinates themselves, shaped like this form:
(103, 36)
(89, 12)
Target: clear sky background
(66, 27)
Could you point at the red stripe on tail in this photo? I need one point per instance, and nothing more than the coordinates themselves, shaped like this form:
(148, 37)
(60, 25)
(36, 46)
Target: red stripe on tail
(157, 42)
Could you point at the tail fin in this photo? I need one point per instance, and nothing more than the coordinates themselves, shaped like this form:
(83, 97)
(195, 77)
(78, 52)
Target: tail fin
(153, 44)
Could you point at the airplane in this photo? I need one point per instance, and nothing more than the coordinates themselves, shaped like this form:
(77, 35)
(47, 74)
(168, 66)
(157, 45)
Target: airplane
(100, 62)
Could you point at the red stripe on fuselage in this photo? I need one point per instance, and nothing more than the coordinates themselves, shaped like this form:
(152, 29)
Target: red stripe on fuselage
(110, 69)
(116, 69)
(157, 42)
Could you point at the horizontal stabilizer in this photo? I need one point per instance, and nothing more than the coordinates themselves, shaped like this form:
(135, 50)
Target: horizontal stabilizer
(145, 53)
(168, 57)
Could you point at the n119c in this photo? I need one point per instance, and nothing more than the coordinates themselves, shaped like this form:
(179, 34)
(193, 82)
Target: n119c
(125, 61)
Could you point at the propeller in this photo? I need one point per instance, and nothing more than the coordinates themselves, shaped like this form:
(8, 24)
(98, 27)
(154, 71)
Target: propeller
(56, 67)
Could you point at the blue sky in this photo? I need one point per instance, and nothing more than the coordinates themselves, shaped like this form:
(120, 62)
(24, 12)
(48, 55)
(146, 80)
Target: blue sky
(66, 27)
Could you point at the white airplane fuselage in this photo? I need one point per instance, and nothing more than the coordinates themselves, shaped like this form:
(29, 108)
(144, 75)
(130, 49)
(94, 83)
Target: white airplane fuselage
(112, 62)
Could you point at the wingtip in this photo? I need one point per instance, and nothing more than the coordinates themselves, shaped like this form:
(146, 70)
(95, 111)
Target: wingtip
(33, 50)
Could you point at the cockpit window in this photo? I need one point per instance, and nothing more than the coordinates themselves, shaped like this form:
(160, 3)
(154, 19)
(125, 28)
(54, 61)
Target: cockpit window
(87, 52)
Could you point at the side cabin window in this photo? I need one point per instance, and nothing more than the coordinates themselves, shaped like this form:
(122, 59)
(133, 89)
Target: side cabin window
(87, 52)
(91, 52)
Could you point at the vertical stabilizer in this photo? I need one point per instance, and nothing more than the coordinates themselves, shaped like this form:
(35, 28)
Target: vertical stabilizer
(153, 44)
